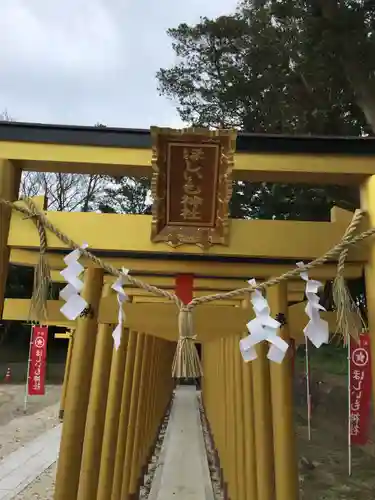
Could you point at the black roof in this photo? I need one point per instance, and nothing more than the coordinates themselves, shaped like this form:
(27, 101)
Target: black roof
(140, 138)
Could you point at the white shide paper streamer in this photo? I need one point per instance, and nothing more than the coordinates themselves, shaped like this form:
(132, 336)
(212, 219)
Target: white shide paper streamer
(316, 330)
(74, 303)
(121, 298)
(262, 327)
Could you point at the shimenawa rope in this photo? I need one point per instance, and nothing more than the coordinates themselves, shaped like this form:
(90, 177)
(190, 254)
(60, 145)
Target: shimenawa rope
(186, 362)
(42, 276)
(349, 317)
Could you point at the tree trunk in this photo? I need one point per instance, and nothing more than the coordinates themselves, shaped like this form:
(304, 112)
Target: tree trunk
(364, 90)
(353, 66)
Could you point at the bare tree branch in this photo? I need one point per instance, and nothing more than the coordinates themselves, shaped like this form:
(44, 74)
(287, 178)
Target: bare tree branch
(64, 192)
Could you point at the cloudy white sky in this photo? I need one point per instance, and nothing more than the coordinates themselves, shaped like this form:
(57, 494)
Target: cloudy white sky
(87, 61)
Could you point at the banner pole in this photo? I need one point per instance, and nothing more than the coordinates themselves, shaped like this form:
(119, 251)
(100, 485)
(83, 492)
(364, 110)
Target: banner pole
(308, 391)
(28, 371)
(349, 410)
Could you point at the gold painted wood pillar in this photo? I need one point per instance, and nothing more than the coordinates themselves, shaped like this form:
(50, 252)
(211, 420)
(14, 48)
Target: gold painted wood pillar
(152, 423)
(229, 449)
(284, 438)
(66, 374)
(249, 441)
(124, 417)
(263, 424)
(77, 398)
(231, 423)
(240, 425)
(258, 414)
(250, 460)
(219, 392)
(158, 400)
(166, 383)
(93, 440)
(368, 204)
(212, 406)
(141, 421)
(112, 418)
(134, 398)
(149, 443)
(158, 395)
(10, 179)
(223, 452)
(216, 394)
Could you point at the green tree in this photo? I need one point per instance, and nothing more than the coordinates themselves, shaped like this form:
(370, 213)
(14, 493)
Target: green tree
(335, 42)
(126, 195)
(268, 69)
(257, 71)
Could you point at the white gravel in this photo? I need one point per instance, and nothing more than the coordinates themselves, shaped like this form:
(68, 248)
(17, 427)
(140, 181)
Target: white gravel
(17, 429)
(20, 430)
(42, 488)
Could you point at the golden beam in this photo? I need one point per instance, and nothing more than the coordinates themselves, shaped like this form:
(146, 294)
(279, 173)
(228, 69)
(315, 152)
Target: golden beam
(199, 269)
(161, 320)
(117, 232)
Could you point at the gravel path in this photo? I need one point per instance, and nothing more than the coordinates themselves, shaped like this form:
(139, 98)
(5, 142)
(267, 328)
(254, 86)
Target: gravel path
(43, 486)
(211, 454)
(12, 401)
(17, 428)
(40, 489)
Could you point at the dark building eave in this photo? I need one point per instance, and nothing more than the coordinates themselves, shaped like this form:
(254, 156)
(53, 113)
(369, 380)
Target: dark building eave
(141, 139)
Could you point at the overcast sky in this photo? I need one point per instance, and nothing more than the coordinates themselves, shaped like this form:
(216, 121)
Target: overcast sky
(87, 61)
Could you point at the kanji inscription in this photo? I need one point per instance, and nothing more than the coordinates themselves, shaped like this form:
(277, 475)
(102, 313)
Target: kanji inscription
(360, 389)
(192, 184)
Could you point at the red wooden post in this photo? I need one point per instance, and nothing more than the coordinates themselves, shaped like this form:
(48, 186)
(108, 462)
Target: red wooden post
(184, 287)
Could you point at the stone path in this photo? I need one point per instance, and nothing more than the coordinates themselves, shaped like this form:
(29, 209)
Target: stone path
(21, 467)
(183, 469)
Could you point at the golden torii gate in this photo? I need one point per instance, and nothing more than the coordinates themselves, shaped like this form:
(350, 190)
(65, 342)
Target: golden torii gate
(17, 309)
(106, 441)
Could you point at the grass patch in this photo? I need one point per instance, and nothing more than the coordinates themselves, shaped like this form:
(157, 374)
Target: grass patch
(330, 359)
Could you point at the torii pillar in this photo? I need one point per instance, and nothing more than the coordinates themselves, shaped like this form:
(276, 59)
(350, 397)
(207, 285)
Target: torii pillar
(368, 204)
(10, 179)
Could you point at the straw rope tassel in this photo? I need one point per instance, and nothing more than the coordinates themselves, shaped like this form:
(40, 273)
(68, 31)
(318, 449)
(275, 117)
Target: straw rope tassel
(349, 318)
(42, 285)
(186, 362)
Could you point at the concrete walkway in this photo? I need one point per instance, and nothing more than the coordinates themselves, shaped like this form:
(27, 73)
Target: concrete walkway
(21, 467)
(183, 472)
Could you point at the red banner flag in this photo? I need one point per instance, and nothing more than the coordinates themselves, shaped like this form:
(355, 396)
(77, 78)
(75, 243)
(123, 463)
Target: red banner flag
(37, 361)
(360, 389)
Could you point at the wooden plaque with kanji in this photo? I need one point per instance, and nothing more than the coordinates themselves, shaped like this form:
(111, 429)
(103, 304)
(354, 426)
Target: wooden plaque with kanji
(191, 186)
